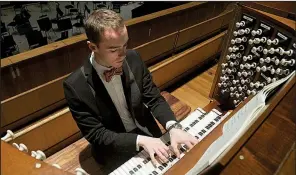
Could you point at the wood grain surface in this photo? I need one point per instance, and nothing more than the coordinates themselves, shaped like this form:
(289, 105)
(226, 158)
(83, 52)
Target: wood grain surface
(15, 162)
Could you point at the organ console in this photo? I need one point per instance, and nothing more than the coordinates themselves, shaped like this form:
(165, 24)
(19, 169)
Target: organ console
(246, 68)
(258, 51)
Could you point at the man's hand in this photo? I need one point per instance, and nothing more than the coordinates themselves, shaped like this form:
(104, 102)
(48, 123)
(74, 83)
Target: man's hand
(179, 136)
(154, 146)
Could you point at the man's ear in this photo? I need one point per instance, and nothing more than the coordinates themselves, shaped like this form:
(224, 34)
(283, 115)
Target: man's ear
(92, 46)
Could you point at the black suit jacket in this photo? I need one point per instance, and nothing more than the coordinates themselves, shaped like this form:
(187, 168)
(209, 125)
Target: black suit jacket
(96, 115)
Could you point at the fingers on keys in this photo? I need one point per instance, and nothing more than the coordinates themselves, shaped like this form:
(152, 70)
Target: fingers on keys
(176, 150)
(189, 145)
(153, 160)
(162, 157)
(164, 152)
(161, 154)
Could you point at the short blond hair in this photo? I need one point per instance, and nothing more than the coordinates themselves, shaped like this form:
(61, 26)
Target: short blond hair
(99, 20)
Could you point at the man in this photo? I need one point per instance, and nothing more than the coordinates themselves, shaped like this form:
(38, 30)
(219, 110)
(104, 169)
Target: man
(114, 101)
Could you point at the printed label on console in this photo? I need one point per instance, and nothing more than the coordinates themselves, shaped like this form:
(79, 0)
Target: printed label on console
(282, 36)
(247, 18)
(265, 26)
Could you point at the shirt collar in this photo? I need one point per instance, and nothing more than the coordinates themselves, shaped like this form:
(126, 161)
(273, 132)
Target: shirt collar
(99, 68)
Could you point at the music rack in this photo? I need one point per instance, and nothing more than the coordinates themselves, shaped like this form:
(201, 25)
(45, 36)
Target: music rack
(258, 50)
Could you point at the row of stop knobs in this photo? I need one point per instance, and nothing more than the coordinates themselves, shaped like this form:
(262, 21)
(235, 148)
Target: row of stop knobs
(245, 73)
(243, 82)
(242, 91)
(274, 59)
(255, 41)
(254, 49)
(240, 32)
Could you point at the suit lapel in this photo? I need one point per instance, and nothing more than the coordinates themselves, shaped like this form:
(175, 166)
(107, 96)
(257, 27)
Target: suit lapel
(126, 86)
(102, 97)
(132, 91)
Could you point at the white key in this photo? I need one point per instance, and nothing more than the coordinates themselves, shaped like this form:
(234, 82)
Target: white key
(140, 158)
(204, 134)
(139, 161)
(125, 168)
(144, 157)
(192, 131)
(133, 161)
(201, 110)
(128, 166)
(209, 117)
(194, 115)
(151, 166)
(119, 170)
(215, 123)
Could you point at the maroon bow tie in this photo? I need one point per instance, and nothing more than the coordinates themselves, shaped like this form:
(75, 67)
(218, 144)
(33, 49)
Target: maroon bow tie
(110, 73)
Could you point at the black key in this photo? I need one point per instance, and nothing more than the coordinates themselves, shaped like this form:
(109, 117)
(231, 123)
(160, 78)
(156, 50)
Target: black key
(186, 147)
(200, 133)
(216, 119)
(135, 169)
(197, 137)
(203, 131)
(169, 142)
(139, 166)
(160, 167)
(154, 172)
(200, 117)
(186, 129)
(145, 161)
(212, 123)
(174, 156)
(164, 164)
(131, 172)
(148, 158)
(182, 149)
(194, 123)
(171, 159)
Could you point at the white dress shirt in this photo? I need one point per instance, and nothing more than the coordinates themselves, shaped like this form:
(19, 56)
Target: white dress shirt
(116, 92)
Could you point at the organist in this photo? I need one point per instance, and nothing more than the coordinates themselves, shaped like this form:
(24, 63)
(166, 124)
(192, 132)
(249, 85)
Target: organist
(113, 99)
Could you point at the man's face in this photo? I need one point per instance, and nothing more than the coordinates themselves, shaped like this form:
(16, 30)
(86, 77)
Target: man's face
(111, 50)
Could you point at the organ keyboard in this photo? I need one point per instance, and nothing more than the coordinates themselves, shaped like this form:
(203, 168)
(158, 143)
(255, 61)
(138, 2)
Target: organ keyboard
(198, 123)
